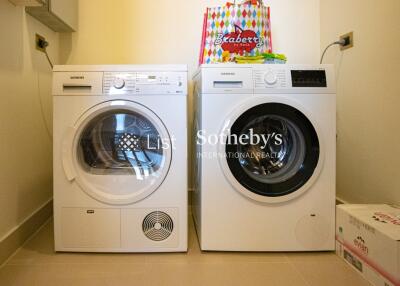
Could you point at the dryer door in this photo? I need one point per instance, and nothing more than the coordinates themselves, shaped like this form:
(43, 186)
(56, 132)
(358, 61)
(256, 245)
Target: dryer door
(119, 152)
(271, 153)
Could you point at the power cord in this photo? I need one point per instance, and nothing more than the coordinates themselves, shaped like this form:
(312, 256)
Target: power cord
(340, 43)
(48, 59)
(43, 44)
(46, 125)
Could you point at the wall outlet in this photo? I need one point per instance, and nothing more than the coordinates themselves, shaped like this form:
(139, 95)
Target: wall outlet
(41, 43)
(349, 41)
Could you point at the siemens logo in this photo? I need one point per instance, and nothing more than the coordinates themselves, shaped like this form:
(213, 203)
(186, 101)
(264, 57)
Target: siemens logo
(77, 77)
(228, 73)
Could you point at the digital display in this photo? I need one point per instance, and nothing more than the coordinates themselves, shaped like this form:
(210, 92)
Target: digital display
(309, 78)
(152, 77)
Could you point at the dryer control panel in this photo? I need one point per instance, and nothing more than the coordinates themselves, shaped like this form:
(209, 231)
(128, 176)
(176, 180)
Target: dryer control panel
(144, 83)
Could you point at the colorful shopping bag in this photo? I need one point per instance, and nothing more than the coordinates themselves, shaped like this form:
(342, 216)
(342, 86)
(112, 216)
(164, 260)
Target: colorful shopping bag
(235, 30)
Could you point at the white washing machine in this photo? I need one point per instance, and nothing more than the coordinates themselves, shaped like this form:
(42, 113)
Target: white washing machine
(265, 172)
(120, 158)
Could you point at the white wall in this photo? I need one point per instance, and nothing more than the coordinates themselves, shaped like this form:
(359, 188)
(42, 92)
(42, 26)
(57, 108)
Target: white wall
(368, 97)
(25, 146)
(296, 29)
(169, 31)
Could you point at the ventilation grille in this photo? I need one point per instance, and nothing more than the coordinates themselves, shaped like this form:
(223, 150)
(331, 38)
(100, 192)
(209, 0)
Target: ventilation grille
(157, 226)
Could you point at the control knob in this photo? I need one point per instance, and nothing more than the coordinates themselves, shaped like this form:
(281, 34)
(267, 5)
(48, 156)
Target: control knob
(118, 83)
(270, 78)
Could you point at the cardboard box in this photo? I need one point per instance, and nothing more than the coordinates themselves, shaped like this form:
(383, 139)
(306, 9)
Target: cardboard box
(368, 238)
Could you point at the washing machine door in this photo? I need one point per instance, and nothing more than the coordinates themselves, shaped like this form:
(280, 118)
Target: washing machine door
(272, 152)
(118, 152)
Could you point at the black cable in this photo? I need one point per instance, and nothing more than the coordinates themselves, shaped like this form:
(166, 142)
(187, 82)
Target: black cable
(48, 58)
(340, 43)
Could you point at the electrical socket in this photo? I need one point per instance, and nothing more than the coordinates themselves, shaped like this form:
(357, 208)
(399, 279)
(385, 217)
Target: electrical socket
(349, 41)
(40, 43)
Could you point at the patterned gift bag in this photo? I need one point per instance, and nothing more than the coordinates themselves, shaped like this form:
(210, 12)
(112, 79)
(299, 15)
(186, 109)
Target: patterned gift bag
(235, 29)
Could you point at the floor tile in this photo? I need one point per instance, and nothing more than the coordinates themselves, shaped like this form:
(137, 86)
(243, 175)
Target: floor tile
(331, 271)
(231, 274)
(311, 256)
(72, 274)
(36, 263)
(12, 275)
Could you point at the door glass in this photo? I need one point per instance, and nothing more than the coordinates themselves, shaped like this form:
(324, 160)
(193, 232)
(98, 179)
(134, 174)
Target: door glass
(120, 142)
(272, 150)
(278, 152)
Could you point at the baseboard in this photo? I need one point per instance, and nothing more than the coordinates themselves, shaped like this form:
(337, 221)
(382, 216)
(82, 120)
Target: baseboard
(16, 237)
(340, 201)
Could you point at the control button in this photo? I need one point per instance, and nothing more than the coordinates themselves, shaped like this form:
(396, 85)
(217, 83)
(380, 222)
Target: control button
(118, 83)
(180, 83)
(270, 78)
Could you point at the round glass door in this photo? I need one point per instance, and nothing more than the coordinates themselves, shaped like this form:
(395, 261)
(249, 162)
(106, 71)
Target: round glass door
(272, 150)
(122, 152)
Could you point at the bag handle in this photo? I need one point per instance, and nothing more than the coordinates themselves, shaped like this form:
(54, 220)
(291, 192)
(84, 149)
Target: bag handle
(252, 2)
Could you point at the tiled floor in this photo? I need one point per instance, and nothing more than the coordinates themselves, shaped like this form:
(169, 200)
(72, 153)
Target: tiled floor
(37, 265)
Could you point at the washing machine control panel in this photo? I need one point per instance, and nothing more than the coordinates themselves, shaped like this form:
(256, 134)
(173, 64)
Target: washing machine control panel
(137, 83)
(276, 77)
(270, 78)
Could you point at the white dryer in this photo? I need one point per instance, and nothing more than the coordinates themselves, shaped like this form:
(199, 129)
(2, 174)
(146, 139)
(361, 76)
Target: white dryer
(120, 158)
(265, 172)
